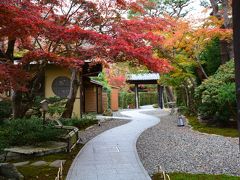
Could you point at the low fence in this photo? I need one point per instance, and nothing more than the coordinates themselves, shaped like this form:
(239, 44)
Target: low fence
(60, 172)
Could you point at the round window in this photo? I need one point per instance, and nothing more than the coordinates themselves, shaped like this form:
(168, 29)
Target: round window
(61, 86)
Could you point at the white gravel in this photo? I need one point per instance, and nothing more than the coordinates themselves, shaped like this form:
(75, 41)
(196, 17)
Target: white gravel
(180, 149)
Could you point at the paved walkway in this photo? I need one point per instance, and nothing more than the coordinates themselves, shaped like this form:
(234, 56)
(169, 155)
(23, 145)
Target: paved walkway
(112, 155)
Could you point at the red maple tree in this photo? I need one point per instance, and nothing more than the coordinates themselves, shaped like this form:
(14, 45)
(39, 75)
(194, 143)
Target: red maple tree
(66, 34)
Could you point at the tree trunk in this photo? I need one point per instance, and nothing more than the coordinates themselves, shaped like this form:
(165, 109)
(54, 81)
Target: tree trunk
(225, 47)
(72, 95)
(23, 101)
(201, 73)
(10, 49)
(170, 94)
(17, 104)
(215, 8)
(236, 40)
(187, 95)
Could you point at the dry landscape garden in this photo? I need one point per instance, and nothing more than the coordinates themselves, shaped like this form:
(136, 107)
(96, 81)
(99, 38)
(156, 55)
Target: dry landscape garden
(120, 89)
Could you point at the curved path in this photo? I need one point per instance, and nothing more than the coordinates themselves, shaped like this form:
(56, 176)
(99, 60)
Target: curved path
(112, 155)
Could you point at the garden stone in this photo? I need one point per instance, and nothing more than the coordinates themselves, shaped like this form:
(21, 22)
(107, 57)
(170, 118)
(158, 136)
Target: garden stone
(9, 171)
(57, 163)
(39, 163)
(21, 163)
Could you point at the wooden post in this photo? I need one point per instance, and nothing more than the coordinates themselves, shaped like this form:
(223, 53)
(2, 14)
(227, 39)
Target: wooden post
(236, 44)
(97, 99)
(101, 101)
(81, 94)
(160, 96)
(136, 97)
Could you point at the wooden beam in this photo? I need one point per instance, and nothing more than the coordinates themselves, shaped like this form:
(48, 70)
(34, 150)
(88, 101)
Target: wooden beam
(160, 96)
(136, 97)
(81, 94)
(142, 81)
(97, 99)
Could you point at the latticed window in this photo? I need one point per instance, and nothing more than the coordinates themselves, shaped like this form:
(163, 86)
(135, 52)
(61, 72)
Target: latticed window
(61, 86)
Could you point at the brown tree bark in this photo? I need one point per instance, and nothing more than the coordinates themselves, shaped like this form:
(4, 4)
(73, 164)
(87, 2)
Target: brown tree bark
(236, 40)
(170, 94)
(72, 95)
(226, 47)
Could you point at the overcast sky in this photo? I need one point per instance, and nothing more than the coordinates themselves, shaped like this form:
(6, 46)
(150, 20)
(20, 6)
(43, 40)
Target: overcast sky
(197, 13)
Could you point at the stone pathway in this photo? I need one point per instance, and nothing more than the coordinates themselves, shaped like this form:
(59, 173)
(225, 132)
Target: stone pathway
(112, 154)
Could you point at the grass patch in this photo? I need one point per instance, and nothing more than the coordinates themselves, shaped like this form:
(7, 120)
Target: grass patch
(196, 125)
(185, 176)
(47, 172)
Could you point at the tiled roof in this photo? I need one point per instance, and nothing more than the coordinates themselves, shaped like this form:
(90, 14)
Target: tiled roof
(143, 77)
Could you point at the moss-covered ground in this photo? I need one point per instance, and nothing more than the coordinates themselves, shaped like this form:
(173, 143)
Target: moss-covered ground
(186, 176)
(46, 172)
(205, 128)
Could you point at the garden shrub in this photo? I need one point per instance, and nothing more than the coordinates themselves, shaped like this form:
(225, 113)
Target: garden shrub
(3, 141)
(79, 123)
(5, 110)
(108, 112)
(18, 132)
(216, 95)
(155, 106)
(56, 106)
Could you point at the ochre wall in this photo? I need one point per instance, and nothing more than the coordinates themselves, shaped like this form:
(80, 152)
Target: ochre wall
(53, 72)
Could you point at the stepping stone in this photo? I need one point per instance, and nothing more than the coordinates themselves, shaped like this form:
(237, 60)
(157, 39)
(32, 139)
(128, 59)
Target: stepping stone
(39, 163)
(21, 163)
(57, 163)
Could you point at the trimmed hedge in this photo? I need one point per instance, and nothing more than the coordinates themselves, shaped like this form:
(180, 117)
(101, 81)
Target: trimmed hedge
(145, 98)
(79, 123)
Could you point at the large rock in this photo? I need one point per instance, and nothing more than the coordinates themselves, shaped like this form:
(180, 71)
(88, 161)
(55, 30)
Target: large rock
(9, 171)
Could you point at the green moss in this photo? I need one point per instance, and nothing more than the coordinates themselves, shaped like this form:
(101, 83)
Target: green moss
(196, 125)
(47, 172)
(36, 172)
(185, 176)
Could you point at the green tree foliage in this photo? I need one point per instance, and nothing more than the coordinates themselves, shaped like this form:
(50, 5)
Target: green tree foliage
(211, 57)
(216, 95)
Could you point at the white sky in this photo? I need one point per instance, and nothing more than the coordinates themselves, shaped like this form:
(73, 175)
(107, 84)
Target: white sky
(197, 13)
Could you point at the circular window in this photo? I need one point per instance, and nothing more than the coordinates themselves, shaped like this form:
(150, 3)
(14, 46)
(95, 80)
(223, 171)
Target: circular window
(61, 86)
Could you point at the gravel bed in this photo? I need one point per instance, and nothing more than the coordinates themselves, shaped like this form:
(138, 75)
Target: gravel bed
(95, 130)
(180, 149)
